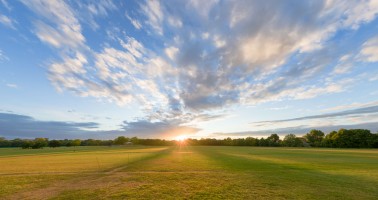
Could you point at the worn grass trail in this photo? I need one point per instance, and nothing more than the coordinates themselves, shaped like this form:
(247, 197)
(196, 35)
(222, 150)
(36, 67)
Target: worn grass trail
(201, 173)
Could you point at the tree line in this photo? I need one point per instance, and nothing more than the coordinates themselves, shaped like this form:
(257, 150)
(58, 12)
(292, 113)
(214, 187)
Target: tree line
(352, 138)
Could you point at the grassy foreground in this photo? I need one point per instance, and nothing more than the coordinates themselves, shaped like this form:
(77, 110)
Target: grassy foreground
(188, 173)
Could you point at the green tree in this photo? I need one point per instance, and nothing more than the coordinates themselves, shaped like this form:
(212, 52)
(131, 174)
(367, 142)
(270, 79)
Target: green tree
(121, 140)
(353, 138)
(76, 142)
(27, 144)
(54, 143)
(250, 141)
(17, 142)
(329, 139)
(262, 142)
(373, 140)
(291, 140)
(227, 141)
(274, 140)
(134, 140)
(4, 142)
(314, 137)
(39, 143)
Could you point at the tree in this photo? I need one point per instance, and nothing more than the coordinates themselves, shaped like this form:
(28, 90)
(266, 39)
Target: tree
(373, 140)
(227, 141)
(134, 140)
(17, 142)
(4, 142)
(250, 141)
(314, 137)
(76, 142)
(328, 140)
(263, 142)
(54, 143)
(274, 140)
(39, 143)
(291, 140)
(27, 144)
(353, 138)
(121, 140)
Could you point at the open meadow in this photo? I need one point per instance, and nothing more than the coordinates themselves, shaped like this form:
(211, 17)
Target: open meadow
(188, 172)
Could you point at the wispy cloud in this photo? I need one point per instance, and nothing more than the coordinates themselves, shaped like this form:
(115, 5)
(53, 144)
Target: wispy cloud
(6, 4)
(298, 130)
(369, 51)
(366, 110)
(154, 14)
(91, 10)
(3, 57)
(351, 106)
(134, 22)
(6, 21)
(66, 29)
(11, 85)
(360, 115)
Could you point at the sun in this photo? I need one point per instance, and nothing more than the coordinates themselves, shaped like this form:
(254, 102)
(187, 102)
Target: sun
(181, 138)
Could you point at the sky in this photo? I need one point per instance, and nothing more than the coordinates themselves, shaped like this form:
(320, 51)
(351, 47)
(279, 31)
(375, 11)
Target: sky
(167, 69)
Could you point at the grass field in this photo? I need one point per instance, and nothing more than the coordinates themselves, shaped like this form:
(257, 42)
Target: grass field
(188, 173)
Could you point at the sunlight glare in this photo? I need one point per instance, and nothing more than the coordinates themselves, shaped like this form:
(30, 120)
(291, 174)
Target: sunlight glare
(181, 138)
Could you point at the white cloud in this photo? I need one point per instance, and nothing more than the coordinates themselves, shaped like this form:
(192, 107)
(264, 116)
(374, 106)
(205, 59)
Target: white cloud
(67, 29)
(6, 21)
(343, 68)
(351, 106)
(5, 4)
(91, 10)
(361, 12)
(344, 65)
(202, 64)
(134, 22)
(282, 89)
(154, 14)
(369, 51)
(374, 77)
(175, 21)
(3, 57)
(134, 47)
(203, 7)
(11, 85)
(62, 75)
(205, 35)
(308, 93)
(279, 108)
(171, 52)
(219, 42)
(101, 7)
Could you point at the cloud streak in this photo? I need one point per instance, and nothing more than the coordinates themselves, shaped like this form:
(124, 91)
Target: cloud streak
(299, 130)
(3, 57)
(6, 21)
(15, 125)
(358, 111)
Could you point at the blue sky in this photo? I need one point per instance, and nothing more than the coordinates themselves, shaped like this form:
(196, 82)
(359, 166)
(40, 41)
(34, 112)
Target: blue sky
(162, 69)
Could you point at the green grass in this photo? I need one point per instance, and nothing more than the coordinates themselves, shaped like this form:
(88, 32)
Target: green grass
(188, 173)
